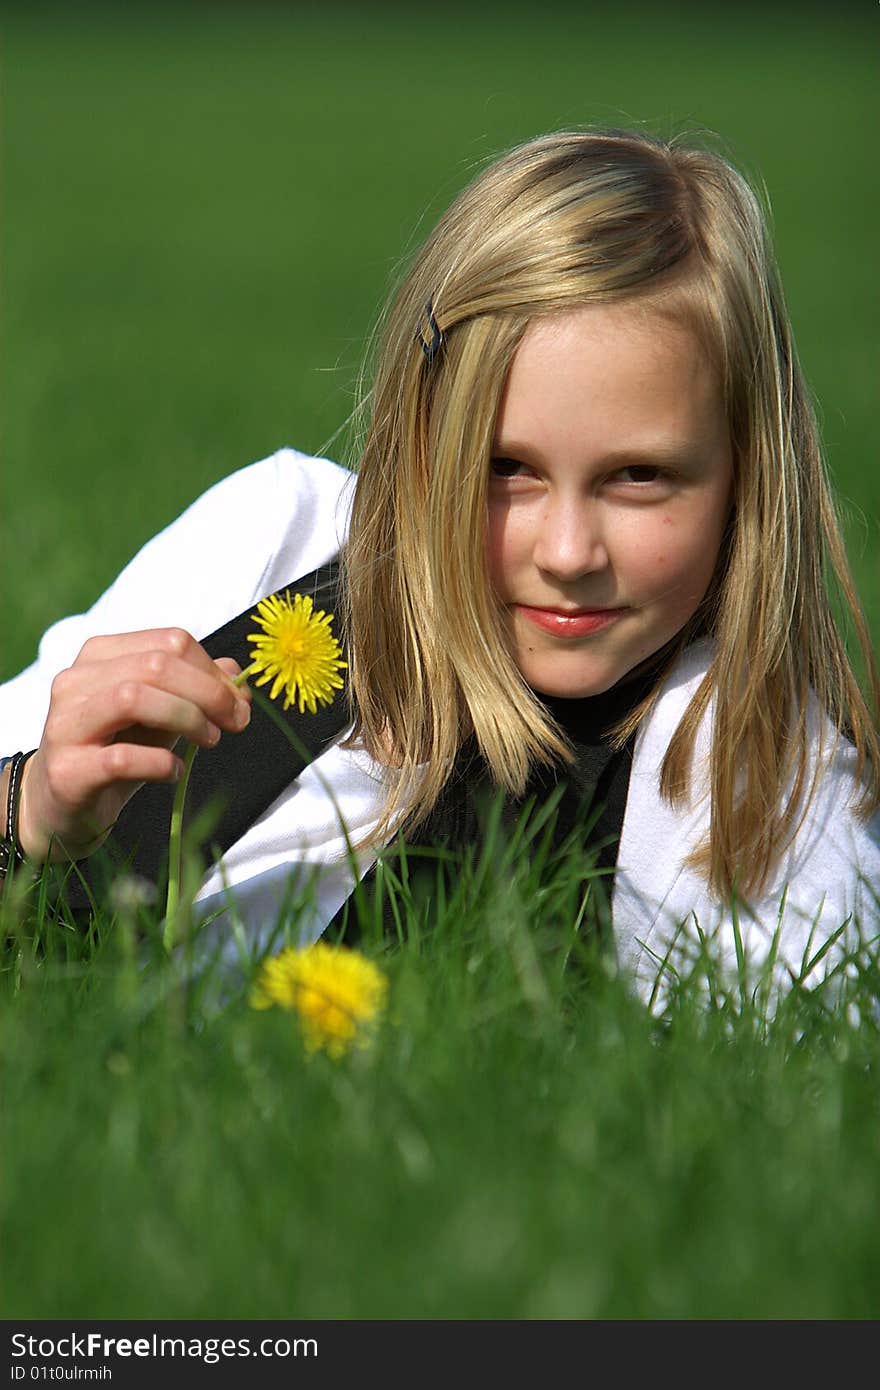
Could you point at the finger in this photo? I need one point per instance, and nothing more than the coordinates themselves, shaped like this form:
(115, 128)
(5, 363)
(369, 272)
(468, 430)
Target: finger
(128, 765)
(175, 641)
(230, 667)
(130, 705)
(77, 793)
(98, 699)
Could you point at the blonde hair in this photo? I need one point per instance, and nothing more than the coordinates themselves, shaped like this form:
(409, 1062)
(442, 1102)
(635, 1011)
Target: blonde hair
(566, 220)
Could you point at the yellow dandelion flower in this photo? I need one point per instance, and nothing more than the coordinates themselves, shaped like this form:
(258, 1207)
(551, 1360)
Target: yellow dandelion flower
(296, 651)
(336, 992)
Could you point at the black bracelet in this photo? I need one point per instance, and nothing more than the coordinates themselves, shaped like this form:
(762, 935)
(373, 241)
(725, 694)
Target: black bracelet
(11, 851)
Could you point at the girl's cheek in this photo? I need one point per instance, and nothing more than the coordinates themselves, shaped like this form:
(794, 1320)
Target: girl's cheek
(505, 546)
(668, 560)
(647, 554)
(495, 557)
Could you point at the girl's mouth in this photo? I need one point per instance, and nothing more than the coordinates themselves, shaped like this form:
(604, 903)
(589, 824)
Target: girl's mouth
(577, 623)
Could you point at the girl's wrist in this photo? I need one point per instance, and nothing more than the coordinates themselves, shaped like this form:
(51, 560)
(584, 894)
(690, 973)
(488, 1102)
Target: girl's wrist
(12, 773)
(40, 846)
(4, 792)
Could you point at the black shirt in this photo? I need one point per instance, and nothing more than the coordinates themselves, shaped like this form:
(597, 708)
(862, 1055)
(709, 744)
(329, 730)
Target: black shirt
(590, 800)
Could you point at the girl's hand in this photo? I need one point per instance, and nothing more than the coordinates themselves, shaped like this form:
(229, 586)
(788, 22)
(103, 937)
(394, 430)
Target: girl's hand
(114, 718)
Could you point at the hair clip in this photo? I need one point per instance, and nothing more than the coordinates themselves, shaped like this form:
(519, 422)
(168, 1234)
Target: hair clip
(430, 349)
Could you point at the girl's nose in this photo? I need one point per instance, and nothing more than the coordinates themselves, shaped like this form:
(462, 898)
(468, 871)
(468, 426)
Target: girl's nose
(569, 541)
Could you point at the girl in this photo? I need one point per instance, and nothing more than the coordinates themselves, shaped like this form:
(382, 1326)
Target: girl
(586, 544)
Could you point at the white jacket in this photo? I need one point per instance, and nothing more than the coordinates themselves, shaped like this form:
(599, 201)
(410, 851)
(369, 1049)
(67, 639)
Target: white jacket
(278, 519)
(830, 874)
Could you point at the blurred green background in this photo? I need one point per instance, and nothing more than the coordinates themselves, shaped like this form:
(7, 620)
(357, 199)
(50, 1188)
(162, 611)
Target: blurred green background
(203, 205)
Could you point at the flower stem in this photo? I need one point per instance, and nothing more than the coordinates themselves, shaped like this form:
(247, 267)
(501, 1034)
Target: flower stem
(175, 838)
(175, 851)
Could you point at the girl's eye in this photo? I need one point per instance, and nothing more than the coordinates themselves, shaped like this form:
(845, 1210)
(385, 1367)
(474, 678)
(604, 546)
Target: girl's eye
(641, 473)
(505, 468)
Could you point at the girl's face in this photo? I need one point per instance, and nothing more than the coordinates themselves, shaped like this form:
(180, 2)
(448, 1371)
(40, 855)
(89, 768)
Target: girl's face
(609, 493)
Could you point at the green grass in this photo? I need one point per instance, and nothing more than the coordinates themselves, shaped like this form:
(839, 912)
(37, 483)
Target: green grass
(201, 218)
(523, 1139)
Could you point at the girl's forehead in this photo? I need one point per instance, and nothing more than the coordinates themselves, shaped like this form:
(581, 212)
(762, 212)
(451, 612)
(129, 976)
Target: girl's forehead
(608, 376)
(614, 348)
(619, 322)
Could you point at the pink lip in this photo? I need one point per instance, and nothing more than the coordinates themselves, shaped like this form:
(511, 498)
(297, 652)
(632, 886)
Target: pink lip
(578, 623)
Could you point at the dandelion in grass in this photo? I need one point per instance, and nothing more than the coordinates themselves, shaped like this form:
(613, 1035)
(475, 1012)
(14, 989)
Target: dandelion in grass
(296, 651)
(336, 993)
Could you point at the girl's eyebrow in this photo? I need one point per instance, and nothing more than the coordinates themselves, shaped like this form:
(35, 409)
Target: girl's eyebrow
(669, 455)
(666, 455)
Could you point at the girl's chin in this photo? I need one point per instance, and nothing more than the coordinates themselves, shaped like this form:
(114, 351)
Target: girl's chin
(574, 676)
(569, 685)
